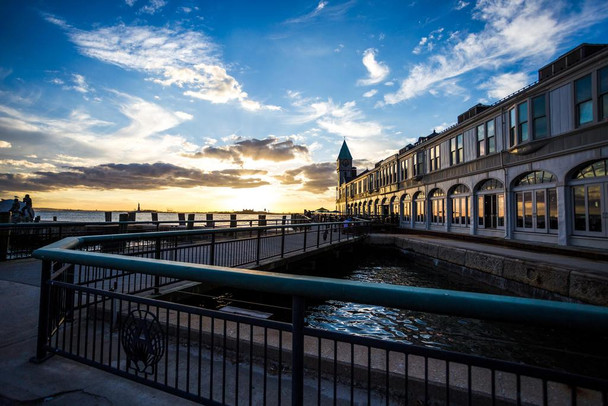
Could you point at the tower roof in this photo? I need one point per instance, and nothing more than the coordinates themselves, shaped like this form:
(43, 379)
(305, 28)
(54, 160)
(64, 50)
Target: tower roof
(344, 152)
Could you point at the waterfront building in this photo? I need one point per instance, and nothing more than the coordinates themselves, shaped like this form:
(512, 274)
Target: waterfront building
(532, 166)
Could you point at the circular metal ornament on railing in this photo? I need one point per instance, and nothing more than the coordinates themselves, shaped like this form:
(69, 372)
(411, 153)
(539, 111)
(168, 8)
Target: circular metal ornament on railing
(143, 341)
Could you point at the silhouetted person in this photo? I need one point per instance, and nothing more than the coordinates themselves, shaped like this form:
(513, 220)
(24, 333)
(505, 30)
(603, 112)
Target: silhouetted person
(28, 210)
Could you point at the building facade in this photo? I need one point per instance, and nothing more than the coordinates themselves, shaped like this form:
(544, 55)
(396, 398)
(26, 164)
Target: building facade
(532, 166)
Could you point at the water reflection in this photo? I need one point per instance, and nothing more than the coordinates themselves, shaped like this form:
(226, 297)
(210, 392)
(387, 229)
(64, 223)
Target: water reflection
(563, 349)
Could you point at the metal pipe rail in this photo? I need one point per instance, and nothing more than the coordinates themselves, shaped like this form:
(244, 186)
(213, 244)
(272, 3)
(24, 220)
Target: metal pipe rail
(66, 308)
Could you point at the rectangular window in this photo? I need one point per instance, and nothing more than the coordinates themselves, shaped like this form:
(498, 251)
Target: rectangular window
(456, 150)
(512, 124)
(522, 123)
(520, 209)
(603, 93)
(539, 117)
(434, 160)
(501, 210)
(541, 210)
(582, 100)
(580, 215)
(552, 200)
(491, 137)
(419, 163)
(481, 140)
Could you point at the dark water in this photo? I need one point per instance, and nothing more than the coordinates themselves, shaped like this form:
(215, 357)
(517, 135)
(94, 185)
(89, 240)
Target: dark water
(563, 349)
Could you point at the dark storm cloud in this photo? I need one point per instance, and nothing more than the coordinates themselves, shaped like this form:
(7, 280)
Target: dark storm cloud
(315, 178)
(130, 176)
(269, 149)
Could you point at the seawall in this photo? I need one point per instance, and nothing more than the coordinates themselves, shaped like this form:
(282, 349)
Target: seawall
(521, 272)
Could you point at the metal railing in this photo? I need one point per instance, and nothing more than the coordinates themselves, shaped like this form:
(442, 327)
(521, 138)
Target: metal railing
(221, 357)
(19, 240)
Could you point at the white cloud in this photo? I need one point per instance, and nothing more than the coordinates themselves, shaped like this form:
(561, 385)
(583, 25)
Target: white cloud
(153, 6)
(322, 10)
(505, 84)
(80, 84)
(13, 165)
(184, 116)
(377, 71)
(4, 144)
(371, 93)
(339, 48)
(130, 3)
(461, 4)
(511, 33)
(172, 57)
(428, 43)
(57, 81)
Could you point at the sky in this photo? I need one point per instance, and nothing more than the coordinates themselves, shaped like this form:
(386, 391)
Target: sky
(229, 105)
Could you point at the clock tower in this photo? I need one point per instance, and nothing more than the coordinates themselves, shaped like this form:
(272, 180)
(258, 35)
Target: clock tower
(344, 165)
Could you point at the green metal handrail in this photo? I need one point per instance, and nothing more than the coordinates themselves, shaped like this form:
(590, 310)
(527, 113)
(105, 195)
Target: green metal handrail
(464, 304)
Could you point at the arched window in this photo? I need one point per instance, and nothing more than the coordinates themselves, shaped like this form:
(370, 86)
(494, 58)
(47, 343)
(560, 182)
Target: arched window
(460, 197)
(490, 204)
(536, 202)
(419, 206)
(590, 199)
(437, 197)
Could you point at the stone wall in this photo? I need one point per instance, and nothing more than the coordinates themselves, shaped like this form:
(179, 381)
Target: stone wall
(520, 276)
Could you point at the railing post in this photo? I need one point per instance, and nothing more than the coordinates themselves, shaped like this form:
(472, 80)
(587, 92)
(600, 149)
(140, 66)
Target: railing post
(157, 246)
(43, 313)
(318, 235)
(212, 250)
(305, 233)
(282, 242)
(258, 248)
(331, 233)
(297, 351)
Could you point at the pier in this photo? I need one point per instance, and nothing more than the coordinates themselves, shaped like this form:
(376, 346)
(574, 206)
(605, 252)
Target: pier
(222, 356)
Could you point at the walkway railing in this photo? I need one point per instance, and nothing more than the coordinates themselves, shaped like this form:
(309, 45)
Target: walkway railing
(19, 240)
(89, 312)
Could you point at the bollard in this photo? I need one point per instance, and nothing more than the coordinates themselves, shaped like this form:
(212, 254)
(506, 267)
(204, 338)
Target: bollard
(233, 221)
(182, 219)
(122, 226)
(108, 216)
(209, 218)
(261, 220)
(284, 220)
(190, 225)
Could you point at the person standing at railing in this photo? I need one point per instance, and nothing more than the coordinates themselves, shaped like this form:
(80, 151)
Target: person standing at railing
(28, 211)
(15, 210)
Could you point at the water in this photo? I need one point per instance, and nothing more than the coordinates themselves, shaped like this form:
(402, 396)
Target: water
(99, 216)
(555, 348)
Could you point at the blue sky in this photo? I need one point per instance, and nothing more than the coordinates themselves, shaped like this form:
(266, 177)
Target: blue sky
(239, 104)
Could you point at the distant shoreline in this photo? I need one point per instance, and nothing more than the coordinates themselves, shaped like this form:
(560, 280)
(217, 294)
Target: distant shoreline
(164, 211)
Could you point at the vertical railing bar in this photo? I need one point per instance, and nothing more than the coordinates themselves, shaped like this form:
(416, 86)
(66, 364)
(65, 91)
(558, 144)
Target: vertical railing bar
(319, 343)
(369, 375)
(297, 350)
(250, 364)
(178, 319)
(352, 374)
(335, 372)
(265, 362)
(103, 325)
(224, 343)
(546, 397)
(426, 380)
(212, 353)
(111, 341)
(387, 377)
(86, 327)
(188, 353)
(167, 347)
(518, 380)
(200, 353)
(279, 375)
(237, 363)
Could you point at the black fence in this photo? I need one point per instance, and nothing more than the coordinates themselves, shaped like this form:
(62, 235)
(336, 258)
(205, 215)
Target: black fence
(103, 310)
